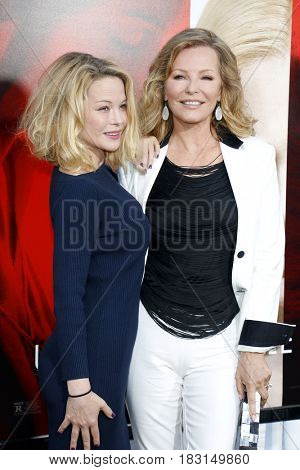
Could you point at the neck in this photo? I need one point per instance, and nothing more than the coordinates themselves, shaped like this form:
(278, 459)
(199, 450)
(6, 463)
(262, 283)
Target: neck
(192, 136)
(98, 157)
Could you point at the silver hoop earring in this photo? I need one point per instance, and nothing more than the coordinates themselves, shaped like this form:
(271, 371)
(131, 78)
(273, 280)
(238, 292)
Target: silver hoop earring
(218, 113)
(165, 112)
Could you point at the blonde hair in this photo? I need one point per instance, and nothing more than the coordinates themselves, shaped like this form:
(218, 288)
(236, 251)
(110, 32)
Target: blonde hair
(232, 99)
(251, 29)
(54, 116)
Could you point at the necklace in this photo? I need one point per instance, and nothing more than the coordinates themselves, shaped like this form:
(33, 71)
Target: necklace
(198, 166)
(198, 153)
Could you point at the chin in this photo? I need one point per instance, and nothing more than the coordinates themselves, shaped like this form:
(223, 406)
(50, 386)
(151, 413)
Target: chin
(113, 147)
(192, 118)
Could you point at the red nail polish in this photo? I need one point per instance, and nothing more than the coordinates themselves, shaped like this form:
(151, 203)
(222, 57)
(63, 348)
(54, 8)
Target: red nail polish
(73, 448)
(113, 415)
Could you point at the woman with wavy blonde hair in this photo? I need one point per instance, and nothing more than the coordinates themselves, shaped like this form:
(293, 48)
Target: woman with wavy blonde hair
(152, 101)
(55, 116)
(82, 119)
(210, 292)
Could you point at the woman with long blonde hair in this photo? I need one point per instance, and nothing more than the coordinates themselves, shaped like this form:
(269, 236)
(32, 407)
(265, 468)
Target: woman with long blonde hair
(82, 119)
(211, 286)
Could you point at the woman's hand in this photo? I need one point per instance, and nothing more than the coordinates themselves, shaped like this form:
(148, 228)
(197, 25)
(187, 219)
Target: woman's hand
(253, 373)
(149, 149)
(82, 413)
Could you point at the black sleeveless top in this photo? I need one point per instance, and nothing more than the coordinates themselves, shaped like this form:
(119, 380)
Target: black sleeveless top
(187, 287)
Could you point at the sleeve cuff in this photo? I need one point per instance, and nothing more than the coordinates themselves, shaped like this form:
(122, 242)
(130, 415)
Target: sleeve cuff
(261, 336)
(255, 349)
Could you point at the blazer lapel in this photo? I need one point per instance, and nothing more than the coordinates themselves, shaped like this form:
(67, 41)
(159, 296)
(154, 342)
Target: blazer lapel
(146, 181)
(234, 160)
(236, 165)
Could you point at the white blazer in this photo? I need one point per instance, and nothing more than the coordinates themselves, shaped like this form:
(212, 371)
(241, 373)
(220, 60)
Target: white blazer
(259, 256)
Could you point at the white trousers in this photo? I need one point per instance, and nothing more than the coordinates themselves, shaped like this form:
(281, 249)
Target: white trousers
(182, 392)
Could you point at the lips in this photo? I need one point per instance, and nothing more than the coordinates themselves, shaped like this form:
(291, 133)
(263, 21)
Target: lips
(192, 103)
(115, 135)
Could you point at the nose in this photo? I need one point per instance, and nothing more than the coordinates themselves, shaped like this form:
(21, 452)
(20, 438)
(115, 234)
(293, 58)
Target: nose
(192, 86)
(117, 117)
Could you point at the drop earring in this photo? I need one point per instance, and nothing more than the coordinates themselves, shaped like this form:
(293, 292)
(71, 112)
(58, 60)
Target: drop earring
(218, 112)
(165, 112)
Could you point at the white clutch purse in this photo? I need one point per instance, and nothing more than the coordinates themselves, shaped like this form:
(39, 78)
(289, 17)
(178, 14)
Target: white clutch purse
(248, 430)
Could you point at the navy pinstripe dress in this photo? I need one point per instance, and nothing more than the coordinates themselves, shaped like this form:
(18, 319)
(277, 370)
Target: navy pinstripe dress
(100, 239)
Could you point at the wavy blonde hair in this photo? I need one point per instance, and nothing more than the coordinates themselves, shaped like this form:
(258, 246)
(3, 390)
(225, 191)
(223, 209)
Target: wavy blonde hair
(54, 116)
(232, 98)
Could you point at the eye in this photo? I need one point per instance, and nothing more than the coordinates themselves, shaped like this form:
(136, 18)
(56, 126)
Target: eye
(124, 106)
(103, 108)
(207, 77)
(178, 77)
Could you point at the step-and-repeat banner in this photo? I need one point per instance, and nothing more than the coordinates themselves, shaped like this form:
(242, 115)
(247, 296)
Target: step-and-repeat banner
(130, 32)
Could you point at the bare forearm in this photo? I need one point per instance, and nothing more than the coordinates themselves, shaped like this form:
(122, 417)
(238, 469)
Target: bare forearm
(78, 386)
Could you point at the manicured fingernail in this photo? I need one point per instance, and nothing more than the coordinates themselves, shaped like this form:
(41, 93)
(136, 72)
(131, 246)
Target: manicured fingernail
(157, 155)
(241, 397)
(253, 417)
(72, 448)
(142, 164)
(113, 415)
(150, 166)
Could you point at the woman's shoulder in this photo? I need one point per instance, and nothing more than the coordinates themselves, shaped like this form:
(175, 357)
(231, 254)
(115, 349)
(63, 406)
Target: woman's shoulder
(126, 175)
(70, 187)
(126, 169)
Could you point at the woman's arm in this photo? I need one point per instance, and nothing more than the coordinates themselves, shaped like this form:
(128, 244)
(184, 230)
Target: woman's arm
(260, 303)
(71, 263)
(149, 150)
(74, 225)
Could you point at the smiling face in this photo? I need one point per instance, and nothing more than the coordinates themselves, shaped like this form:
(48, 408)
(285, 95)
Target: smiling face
(105, 112)
(194, 86)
